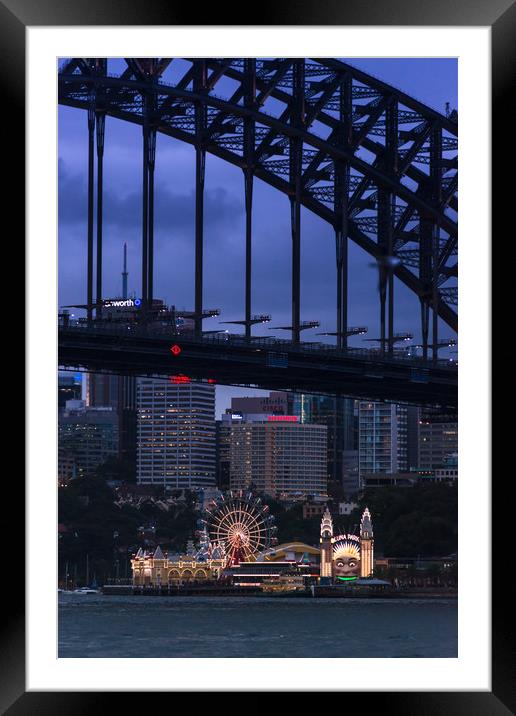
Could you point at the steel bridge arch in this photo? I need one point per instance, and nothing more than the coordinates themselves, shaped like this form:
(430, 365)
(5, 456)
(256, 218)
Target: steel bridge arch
(389, 197)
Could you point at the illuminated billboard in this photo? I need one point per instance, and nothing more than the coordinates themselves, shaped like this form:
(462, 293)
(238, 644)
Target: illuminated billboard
(346, 557)
(122, 302)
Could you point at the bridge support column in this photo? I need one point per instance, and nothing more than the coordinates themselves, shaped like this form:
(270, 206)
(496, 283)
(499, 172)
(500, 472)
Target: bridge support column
(386, 220)
(341, 207)
(145, 222)
(248, 248)
(200, 83)
(425, 311)
(425, 274)
(150, 218)
(295, 217)
(383, 294)
(296, 170)
(91, 158)
(149, 160)
(436, 170)
(435, 297)
(341, 241)
(101, 123)
(385, 268)
(386, 271)
(429, 249)
(390, 318)
(200, 167)
(249, 149)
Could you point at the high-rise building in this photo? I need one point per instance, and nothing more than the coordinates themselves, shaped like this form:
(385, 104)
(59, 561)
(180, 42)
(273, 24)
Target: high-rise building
(382, 437)
(126, 408)
(88, 436)
(276, 403)
(68, 388)
(115, 391)
(66, 467)
(339, 416)
(222, 454)
(438, 439)
(277, 455)
(449, 471)
(176, 433)
(350, 477)
(413, 418)
(119, 393)
(102, 390)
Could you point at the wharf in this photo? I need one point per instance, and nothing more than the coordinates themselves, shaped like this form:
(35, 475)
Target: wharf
(183, 591)
(318, 592)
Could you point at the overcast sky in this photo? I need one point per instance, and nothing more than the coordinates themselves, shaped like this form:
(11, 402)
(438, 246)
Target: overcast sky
(432, 81)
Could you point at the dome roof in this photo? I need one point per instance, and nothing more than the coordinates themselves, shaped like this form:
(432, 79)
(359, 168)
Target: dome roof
(277, 553)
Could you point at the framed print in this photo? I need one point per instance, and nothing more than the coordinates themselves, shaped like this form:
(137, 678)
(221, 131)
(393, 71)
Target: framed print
(170, 260)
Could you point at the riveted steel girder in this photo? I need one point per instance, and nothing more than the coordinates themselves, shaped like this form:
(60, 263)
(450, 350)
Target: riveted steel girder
(396, 182)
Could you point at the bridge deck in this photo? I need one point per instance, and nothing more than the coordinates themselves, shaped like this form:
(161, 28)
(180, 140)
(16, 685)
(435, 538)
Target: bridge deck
(265, 363)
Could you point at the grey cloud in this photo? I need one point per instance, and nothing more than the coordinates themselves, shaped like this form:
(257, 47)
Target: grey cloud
(173, 211)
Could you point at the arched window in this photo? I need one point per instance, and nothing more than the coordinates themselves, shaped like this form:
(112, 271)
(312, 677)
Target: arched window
(173, 576)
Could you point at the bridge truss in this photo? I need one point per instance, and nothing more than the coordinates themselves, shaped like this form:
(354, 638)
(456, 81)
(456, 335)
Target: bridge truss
(377, 165)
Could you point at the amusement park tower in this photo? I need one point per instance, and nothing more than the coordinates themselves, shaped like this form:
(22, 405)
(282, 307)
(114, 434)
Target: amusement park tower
(366, 544)
(346, 557)
(326, 546)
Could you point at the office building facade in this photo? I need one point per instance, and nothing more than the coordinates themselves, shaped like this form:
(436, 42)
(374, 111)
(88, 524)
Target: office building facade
(276, 403)
(68, 388)
(175, 433)
(339, 416)
(438, 439)
(278, 455)
(382, 438)
(119, 393)
(222, 454)
(87, 436)
(350, 476)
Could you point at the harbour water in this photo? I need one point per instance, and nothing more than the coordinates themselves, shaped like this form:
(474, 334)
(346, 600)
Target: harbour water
(131, 626)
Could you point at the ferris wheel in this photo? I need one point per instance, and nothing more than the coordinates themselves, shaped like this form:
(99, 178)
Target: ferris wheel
(242, 524)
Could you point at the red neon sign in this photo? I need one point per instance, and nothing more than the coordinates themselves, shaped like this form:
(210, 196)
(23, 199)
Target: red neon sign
(180, 379)
(176, 350)
(283, 418)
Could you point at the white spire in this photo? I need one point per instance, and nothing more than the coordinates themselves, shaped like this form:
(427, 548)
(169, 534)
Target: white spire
(366, 524)
(326, 524)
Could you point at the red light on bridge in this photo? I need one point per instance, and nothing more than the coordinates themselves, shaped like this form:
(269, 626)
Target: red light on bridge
(180, 379)
(176, 350)
(211, 380)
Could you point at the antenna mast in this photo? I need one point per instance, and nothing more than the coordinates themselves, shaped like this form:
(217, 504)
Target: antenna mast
(124, 274)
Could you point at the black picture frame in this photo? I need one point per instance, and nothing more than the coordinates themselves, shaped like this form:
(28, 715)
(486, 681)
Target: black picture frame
(15, 16)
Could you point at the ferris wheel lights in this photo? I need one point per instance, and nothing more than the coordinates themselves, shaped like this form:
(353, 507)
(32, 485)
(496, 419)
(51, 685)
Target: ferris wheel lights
(241, 525)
